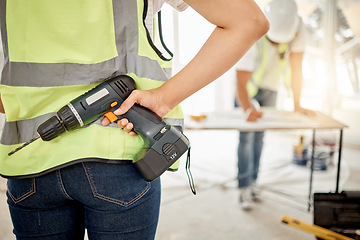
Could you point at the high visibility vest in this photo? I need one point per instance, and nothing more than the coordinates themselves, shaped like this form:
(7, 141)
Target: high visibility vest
(262, 59)
(56, 51)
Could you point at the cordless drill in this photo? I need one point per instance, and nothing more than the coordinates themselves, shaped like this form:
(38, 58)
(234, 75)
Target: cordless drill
(164, 144)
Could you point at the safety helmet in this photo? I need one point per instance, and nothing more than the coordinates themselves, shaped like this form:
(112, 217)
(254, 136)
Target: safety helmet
(284, 20)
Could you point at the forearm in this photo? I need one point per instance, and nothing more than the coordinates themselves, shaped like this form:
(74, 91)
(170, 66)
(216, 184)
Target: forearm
(297, 77)
(251, 114)
(296, 88)
(230, 40)
(242, 95)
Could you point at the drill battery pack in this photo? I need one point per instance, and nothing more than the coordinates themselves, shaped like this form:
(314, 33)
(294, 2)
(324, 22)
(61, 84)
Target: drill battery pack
(339, 212)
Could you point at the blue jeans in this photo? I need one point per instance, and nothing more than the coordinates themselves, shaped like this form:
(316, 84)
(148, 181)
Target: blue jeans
(249, 152)
(112, 201)
(251, 144)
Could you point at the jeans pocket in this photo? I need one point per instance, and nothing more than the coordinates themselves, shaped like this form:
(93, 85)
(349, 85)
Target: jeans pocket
(20, 189)
(116, 183)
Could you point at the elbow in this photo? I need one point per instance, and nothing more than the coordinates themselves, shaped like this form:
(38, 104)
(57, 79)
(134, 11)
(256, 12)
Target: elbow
(266, 25)
(255, 25)
(260, 26)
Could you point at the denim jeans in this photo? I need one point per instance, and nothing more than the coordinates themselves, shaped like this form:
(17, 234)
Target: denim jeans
(112, 201)
(249, 152)
(251, 144)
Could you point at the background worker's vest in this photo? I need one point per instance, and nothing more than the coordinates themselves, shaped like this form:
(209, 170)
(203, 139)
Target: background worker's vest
(56, 51)
(262, 58)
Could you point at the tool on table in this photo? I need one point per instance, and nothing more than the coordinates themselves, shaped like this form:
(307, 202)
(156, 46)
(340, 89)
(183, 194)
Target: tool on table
(164, 144)
(299, 147)
(318, 231)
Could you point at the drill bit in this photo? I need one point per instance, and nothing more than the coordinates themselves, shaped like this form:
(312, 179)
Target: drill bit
(24, 145)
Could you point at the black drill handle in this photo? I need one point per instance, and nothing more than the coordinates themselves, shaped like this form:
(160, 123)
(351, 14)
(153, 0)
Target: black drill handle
(147, 123)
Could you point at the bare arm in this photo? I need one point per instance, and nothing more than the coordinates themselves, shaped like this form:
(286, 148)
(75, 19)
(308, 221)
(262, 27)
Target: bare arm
(296, 76)
(296, 59)
(239, 24)
(235, 33)
(242, 78)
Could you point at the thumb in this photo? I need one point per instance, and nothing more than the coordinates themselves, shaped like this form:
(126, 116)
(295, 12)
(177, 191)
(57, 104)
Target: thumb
(127, 104)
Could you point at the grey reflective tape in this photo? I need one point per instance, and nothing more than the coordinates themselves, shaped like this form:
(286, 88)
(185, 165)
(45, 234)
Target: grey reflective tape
(144, 67)
(168, 72)
(3, 30)
(11, 132)
(47, 75)
(175, 121)
(58, 74)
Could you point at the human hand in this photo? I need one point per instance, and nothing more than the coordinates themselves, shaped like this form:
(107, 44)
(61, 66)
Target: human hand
(150, 99)
(252, 115)
(122, 123)
(306, 112)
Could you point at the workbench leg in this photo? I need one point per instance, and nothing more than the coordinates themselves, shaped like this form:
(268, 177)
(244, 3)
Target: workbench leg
(311, 170)
(339, 162)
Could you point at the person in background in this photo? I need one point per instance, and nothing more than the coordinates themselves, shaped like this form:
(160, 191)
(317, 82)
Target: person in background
(55, 51)
(276, 56)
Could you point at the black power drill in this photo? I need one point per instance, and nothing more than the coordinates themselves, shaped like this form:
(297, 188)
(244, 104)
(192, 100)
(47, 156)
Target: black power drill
(164, 144)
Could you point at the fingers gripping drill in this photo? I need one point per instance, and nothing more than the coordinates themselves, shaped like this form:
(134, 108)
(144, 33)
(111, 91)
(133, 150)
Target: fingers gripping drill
(164, 144)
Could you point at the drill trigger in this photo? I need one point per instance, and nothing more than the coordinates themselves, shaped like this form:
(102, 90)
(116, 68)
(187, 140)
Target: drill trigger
(111, 116)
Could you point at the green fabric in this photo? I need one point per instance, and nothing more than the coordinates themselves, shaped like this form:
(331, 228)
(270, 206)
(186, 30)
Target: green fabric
(146, 84)
(262, 55)
(144, 48)
(29, 102)
(33, 25)
(40, 155)
(258, 74)
(34, 100)
(31, 39)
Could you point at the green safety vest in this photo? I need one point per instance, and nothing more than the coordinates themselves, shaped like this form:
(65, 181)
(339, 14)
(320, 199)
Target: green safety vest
(262, 47)
(55, 51)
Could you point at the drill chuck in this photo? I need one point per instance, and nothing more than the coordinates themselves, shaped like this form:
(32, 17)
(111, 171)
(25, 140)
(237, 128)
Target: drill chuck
(50, 129)
(69, 118)
(56, 125)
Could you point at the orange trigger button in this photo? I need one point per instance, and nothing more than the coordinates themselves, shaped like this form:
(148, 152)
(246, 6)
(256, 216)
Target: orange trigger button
(113, 104)
(111, 116)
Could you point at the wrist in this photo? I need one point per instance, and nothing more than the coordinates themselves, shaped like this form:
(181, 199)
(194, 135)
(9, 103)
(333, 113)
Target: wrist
(296, 104)
(248, 111)
(297, 107)
(163, 104)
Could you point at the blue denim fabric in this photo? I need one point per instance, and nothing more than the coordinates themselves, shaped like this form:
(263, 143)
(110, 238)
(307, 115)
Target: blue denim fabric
(249, 152)
(112, 201)
(251, 144)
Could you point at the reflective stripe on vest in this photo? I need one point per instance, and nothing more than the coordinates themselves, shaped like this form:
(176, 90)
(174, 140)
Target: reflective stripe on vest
(262, 58)
(94, 40)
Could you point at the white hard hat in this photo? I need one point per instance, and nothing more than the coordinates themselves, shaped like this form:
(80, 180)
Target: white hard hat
(284, 20)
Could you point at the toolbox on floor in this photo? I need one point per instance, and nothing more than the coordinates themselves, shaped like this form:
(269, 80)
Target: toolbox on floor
(339, 212)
